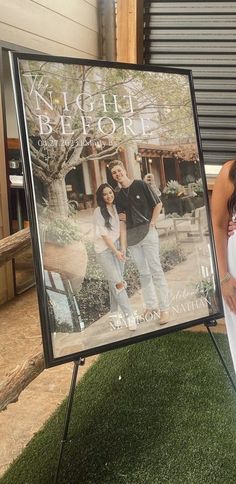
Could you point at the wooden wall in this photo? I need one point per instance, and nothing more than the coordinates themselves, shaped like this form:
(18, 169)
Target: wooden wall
(56, 27)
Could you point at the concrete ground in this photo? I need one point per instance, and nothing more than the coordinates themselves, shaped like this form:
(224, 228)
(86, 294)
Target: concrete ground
(19, 338)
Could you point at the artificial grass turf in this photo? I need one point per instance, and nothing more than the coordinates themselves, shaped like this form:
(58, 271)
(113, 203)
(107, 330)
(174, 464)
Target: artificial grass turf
(158, 412)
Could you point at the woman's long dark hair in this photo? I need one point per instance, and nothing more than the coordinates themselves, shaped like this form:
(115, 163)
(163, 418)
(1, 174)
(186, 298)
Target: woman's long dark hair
(232, 200)
(101, 203)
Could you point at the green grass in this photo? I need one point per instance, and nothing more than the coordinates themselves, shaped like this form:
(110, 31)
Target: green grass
(158, 412)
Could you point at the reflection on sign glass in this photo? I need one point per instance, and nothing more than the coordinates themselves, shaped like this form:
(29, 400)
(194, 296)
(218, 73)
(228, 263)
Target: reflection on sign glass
(119, 202)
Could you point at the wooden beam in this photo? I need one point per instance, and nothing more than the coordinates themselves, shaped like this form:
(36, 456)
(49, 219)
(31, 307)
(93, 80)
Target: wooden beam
(210, 186)
(130, 31)
(19, 378)
(13, 144)
(13, 244)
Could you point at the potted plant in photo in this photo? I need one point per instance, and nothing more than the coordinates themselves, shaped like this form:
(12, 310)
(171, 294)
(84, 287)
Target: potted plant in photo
(206, 288)
(172, 201)
(64, 251)
(198, 199)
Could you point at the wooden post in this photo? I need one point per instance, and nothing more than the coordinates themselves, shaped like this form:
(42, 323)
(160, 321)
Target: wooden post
(130, 31)
(96, 177)
(6, 272)
(177, 171)
(162, 172)
(210, 186)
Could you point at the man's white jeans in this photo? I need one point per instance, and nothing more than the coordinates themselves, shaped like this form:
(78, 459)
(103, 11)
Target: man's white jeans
(153, 283)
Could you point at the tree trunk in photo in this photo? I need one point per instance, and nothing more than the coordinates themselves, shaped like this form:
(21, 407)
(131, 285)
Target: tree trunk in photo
(57, 198)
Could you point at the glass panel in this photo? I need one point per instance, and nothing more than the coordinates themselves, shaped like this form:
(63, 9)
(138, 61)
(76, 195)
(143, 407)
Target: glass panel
(120, 202)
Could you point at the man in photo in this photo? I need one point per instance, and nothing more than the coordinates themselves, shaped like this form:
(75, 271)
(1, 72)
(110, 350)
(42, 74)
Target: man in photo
(138, 208)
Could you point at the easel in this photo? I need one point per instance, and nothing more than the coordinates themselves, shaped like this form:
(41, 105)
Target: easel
(208, 326)
(81, 362)
(77, 363)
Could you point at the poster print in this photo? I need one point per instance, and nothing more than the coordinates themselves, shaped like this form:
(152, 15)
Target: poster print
(116, 191)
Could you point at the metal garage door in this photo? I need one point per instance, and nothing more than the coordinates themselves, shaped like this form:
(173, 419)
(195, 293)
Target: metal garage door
(200, 36)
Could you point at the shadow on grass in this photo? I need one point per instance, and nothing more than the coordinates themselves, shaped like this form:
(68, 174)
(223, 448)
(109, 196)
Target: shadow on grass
(162, 411)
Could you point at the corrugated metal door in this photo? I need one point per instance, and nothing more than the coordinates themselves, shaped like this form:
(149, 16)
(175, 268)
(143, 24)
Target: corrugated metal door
(200, 36)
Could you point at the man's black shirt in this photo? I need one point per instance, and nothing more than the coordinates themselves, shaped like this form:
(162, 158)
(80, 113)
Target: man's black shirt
(137, 201)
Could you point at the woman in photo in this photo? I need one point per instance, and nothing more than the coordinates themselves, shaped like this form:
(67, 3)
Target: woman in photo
(110, 256)
(223, 211)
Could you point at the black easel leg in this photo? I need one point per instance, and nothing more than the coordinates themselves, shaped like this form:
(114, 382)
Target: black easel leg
(68, 413)
(220, 354)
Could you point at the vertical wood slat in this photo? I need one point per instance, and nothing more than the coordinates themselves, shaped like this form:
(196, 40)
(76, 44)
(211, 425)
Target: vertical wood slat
(107, 29)
(6, 272)
(130, 31)
(200, 36)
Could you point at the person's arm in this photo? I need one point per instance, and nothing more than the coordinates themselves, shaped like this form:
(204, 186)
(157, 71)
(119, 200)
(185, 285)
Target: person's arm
(155, 214)
(123, 234)
(123, 229)
(111, 245)
(154, 201)
(101, 231)
(222, 191)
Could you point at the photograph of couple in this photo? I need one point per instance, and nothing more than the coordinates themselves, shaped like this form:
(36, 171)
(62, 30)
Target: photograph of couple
(127, 220)
(114, 166)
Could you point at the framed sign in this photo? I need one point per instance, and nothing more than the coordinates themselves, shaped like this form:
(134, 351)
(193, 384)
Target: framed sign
(117, 199)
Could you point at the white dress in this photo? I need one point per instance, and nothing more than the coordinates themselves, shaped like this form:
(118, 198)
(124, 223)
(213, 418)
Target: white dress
(230, 318)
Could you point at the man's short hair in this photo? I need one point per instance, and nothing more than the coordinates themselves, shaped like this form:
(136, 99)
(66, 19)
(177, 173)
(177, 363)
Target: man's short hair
(115, 163)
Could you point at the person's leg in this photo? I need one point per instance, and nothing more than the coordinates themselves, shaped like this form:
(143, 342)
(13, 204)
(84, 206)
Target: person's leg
(115, 311)
(150, 245)
(148, 290)
(113, 274)
(113, 302)
(114, 306)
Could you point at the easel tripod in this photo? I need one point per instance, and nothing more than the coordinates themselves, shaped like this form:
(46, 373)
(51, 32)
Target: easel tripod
(77, 363)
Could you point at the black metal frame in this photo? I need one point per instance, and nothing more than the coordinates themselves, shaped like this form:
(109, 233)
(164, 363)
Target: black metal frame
(50, 360)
